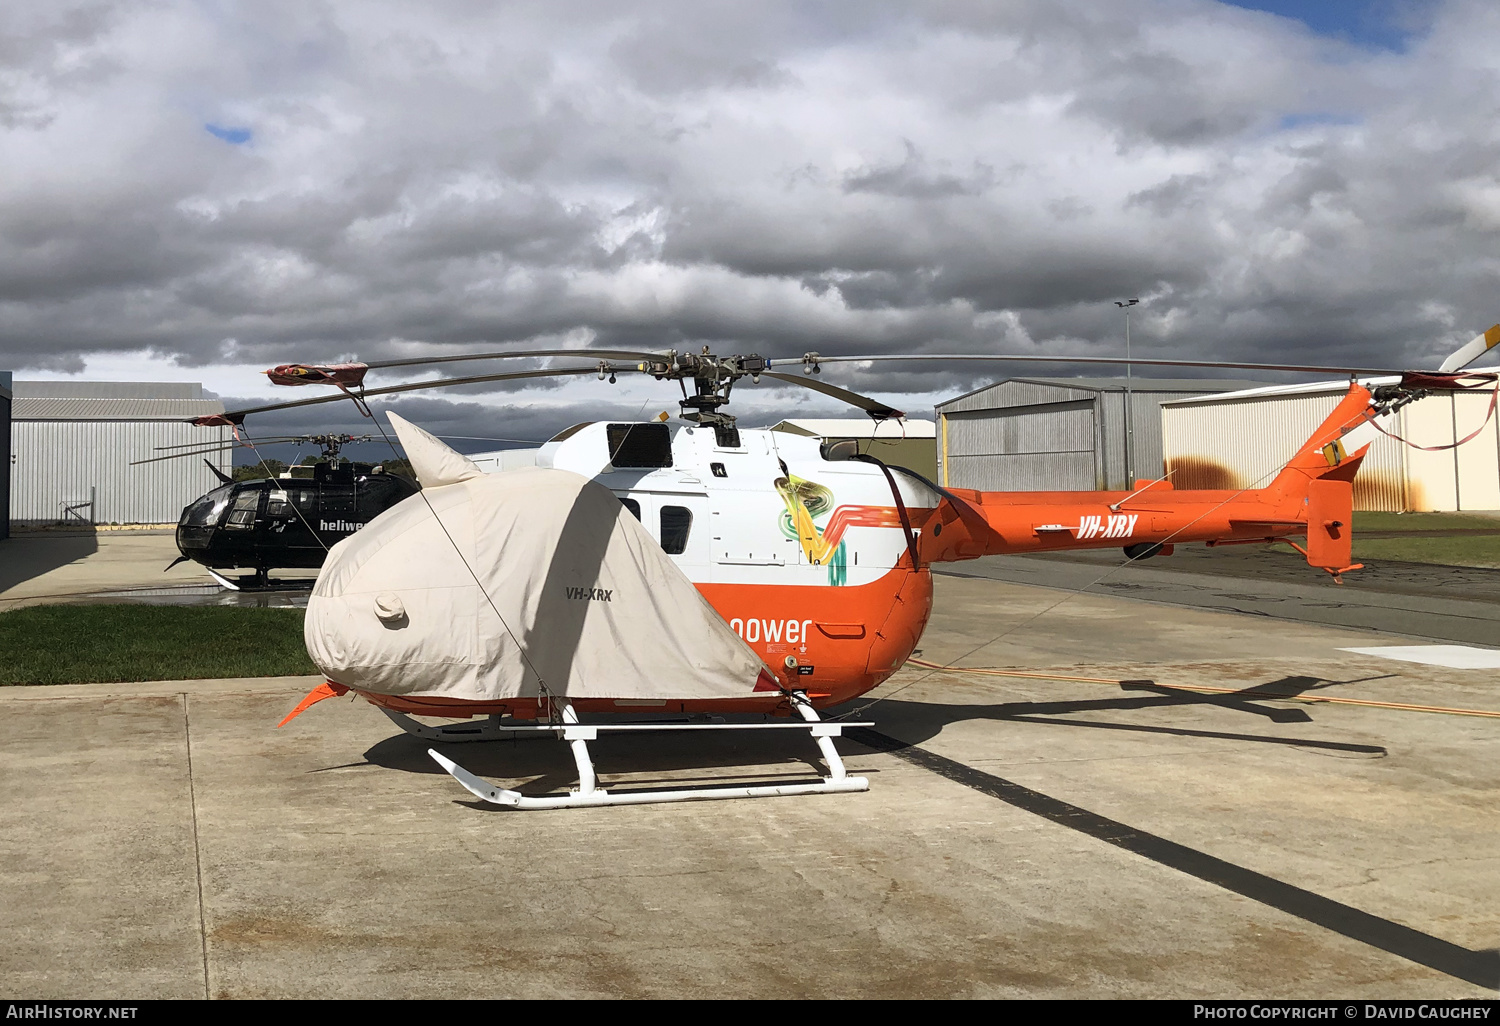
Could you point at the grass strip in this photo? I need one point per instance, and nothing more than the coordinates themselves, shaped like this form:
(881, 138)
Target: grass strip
(1473, 550)
(1378, 521)
(1483, 551)
(105, 644)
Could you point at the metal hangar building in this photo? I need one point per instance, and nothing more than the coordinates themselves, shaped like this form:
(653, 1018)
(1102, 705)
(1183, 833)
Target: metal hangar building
(73, 442)
(5, 455)
(1060, 434)
(1237, 439)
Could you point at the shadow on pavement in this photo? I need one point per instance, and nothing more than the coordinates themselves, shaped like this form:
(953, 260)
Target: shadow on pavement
(916, 722)
(27, 556)
(679, 758)
(682, 757)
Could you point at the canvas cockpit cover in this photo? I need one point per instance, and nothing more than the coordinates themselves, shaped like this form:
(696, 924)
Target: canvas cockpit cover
(571, 591)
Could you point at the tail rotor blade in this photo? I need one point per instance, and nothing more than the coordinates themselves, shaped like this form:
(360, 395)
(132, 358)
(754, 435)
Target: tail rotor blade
(1470, 351)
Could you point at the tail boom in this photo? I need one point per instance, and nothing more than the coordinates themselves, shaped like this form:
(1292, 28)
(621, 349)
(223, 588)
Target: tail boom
(1312, 495)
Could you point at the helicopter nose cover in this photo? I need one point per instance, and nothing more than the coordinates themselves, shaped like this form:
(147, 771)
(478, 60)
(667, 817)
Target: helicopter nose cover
(512, 582)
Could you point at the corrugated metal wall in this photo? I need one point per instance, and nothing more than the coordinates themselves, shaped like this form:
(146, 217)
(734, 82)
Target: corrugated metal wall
(57, 463)
(1032, 448)
(1238, 443)
(1034, 435)
(1144, 431)
(4, 456)
(1467, 477)
(1241, 443)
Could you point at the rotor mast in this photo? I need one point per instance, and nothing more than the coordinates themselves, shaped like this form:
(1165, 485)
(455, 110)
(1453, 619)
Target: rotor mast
(331, 445)
(713, 378)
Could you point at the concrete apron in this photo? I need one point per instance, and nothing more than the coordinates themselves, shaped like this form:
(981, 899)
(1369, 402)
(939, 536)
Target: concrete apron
(162, 840)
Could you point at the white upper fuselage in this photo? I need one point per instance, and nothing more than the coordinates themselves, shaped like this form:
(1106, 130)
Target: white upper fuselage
(739, 527)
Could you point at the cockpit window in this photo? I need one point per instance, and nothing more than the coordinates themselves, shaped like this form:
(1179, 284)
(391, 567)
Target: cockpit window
(632, 505)
(242, 513)
(206, 511)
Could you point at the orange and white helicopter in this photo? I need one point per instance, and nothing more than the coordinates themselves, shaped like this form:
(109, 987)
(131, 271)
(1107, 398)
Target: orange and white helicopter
(811, 564)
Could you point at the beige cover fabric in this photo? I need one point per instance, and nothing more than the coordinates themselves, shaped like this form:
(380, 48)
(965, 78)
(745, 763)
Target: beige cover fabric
(598, 609)
(432, 460)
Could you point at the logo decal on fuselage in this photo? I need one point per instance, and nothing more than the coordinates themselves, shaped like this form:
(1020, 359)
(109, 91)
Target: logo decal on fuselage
(339, 525)
(794, 632)
(1121, 526)
(807, 501)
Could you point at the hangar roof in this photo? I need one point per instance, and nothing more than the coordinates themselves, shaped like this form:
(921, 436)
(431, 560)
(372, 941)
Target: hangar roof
(856, 427)
(110, 400)
(1015, 392)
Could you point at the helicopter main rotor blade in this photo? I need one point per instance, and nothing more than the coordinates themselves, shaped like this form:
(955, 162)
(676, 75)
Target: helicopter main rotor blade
(353, 374)
(813, 359)
(602, 354)
(195, 452)
(190, 445)
(238, 416)
(876, 409)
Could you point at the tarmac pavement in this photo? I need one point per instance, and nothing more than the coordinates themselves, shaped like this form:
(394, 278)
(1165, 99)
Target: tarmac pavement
(48, 566)
(1424, 600)
(1021, 837)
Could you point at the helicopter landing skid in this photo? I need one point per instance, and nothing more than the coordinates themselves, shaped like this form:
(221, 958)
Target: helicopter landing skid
(258, 582)
(589, 795)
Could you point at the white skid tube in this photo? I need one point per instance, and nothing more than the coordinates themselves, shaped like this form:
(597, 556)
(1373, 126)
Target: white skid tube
(224, 582)
(589, 794)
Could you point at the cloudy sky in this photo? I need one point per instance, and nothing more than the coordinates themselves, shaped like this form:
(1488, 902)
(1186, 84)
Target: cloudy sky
(199, 190)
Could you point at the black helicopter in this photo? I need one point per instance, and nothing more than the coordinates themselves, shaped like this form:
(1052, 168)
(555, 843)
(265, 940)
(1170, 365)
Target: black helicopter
(289, 521)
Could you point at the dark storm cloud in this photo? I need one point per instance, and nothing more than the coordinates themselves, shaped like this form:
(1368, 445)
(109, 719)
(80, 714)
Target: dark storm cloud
(914, 179)
(247, 184)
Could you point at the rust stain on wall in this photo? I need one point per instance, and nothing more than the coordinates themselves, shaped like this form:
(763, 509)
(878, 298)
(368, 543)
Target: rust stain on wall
(1373, 490)
(1200, 472)
(1376, 491)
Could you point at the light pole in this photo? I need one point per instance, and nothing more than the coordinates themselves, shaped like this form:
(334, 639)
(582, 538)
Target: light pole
(1126, 304)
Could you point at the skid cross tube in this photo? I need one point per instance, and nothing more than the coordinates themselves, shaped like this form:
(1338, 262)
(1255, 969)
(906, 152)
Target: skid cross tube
(589, 794)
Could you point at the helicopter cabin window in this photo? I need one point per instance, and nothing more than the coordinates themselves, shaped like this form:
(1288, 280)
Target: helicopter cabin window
(632, 505)
(242, 513)
(676, 525)
(644, 446)
(286, 503)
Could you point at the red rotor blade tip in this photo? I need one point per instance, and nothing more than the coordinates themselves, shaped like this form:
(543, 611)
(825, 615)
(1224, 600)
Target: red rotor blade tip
(318, 374)
(219, 420)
